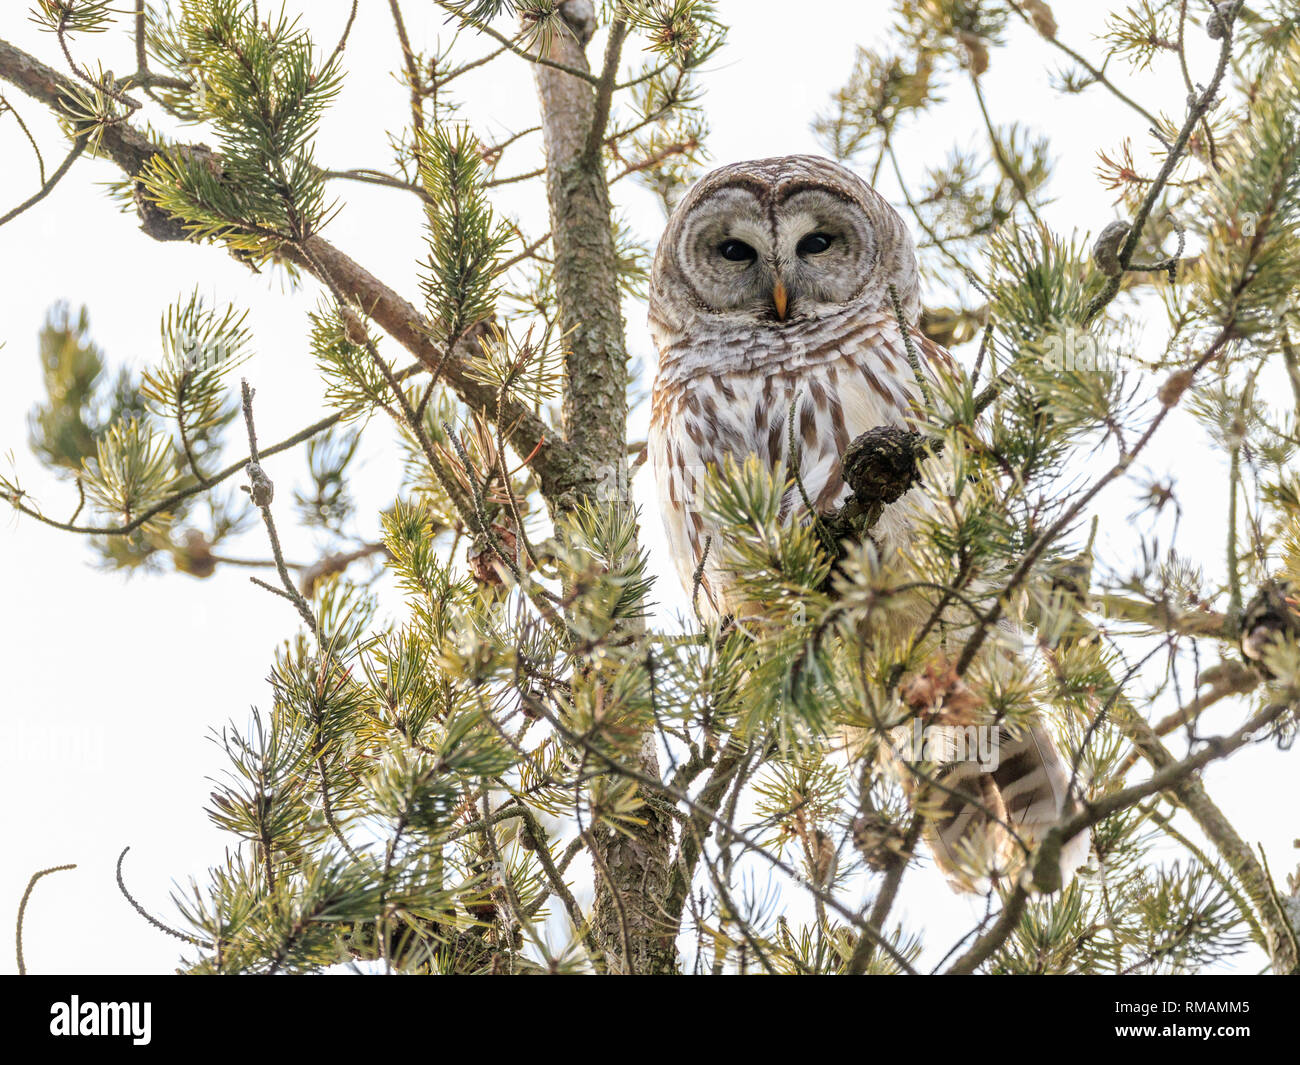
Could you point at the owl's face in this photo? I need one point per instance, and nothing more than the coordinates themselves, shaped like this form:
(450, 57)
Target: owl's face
(753, 254)
(776, 242)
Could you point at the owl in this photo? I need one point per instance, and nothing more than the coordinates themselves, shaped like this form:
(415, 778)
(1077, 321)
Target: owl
(771, 287)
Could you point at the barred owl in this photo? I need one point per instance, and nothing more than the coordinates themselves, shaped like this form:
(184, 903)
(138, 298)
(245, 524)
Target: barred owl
(772, 282)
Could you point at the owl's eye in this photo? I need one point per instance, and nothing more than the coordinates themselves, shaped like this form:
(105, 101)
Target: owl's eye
(737, 251)
(813, 244)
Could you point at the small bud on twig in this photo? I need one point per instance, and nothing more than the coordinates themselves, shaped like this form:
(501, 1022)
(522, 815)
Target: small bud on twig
(1175, 385)
(1105, 252)
(1215, 28)
(260, 487)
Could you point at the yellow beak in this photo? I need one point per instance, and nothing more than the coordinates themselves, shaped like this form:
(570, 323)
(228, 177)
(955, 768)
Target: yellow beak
(780, 299)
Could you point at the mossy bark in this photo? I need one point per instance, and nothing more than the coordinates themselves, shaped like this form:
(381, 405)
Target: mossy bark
(632, 866)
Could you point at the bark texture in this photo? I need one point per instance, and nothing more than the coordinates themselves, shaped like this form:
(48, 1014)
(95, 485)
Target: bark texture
(586, 264)
(632, 868)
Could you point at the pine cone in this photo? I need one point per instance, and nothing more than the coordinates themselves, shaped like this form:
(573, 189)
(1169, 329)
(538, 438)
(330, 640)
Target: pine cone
(880, 465)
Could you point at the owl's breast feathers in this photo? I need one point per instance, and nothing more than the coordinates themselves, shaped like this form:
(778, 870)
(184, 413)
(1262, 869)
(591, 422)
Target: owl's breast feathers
(726, 396)
(725, 389)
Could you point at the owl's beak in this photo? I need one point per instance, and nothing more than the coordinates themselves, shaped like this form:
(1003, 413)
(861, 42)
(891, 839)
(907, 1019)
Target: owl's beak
(780, 299)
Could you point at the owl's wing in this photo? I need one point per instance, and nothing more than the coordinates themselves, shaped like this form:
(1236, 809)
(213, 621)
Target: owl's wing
(985, 814)
(988, 810)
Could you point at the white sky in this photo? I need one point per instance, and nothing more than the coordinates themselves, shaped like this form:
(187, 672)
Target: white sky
(112, 685)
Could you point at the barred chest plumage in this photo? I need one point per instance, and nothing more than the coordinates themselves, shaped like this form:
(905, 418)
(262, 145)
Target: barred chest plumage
(730, 395)
(781, 281)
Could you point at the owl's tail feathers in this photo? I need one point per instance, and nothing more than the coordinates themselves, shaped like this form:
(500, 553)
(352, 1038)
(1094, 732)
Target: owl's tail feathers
(983, 816)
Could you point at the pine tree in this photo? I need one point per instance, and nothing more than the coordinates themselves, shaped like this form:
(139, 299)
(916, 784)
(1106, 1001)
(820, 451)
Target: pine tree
(430, 794)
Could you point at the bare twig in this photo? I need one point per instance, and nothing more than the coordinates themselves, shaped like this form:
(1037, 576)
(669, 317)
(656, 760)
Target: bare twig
(5, 105)
(262, 491)
(1234, 680)
(1200, 107)
(347, 32)
(605, 92)
(121, 886)
(168, 504)
(1094, 72)
(913, 359)
(50, 183)
(516, 46)
(412, 66)
(984, 947)
(22, 911)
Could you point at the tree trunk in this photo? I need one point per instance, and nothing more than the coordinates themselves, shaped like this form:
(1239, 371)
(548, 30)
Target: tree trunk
(631, 868)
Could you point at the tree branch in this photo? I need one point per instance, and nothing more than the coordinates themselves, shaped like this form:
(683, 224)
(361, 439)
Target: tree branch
(262, 491)
(132, 150)
(632, 880)
(22, 911)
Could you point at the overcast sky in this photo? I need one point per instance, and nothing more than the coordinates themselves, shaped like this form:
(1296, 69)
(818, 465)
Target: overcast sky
(112, 685)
